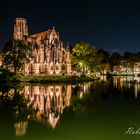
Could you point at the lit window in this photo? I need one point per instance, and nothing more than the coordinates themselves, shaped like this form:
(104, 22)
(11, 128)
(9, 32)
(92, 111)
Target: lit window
(57, 67)
(51, 67)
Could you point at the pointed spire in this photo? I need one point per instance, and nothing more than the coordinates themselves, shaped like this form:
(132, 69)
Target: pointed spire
(67, 46)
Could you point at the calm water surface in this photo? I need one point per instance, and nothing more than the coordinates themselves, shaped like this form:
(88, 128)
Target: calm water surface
(100, 110)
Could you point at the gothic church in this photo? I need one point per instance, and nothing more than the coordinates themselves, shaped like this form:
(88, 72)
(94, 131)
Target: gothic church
(51, 57)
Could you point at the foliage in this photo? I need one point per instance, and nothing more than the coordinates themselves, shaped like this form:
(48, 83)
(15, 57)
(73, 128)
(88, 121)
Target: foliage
(104, 67)
(14, 100)
(84, 57)
(115, 59)
(105, 56)
(15, 53)
(5, 75)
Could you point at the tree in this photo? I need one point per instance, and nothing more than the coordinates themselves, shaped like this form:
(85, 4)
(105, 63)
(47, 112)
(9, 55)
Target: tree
(84, 57)
(115, 59)
(105, 67)
(105, 56)
(15, 53)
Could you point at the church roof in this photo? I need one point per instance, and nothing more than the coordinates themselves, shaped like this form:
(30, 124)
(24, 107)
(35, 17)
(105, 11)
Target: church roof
(38, 36)
(41, 34)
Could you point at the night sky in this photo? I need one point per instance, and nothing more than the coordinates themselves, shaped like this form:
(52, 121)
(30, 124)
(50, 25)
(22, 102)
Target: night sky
(110, 24)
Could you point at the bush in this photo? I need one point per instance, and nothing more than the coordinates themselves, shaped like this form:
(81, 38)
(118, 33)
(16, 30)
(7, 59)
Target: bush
(5, 75)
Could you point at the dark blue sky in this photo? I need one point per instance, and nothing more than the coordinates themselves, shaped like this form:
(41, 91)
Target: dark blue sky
(110, 24)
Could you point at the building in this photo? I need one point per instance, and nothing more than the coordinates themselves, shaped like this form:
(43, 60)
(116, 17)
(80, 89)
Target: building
(127, 69)
(50, 57)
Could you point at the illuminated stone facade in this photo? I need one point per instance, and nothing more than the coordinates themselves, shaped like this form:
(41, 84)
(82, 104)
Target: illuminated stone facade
(20, 28)
(51, 56)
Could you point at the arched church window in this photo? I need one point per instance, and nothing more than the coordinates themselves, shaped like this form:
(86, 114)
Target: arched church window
(35, 59)
(31, 68)
(39, 58)
(39, 68)
(46, 68)
(57, 68)
(63, 67)
(51, 67)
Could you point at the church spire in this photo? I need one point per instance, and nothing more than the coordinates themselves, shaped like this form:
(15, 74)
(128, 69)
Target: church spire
(20, 28)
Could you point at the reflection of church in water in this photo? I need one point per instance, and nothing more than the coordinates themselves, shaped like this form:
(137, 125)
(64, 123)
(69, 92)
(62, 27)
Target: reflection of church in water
(48, 102)
(50, 55)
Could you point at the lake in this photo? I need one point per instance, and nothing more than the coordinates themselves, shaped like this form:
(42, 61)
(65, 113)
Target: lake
(108, 109)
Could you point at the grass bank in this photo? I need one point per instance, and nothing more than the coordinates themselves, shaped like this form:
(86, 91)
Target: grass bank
(48, 79)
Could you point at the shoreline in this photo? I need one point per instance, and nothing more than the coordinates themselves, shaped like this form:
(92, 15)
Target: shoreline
(49, 79)
(56, 79)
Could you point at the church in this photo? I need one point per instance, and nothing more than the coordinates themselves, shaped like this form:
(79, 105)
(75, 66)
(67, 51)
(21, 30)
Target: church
(50, 57)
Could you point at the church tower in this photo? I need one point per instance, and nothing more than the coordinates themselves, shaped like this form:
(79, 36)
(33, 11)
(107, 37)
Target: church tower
(20, 28)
